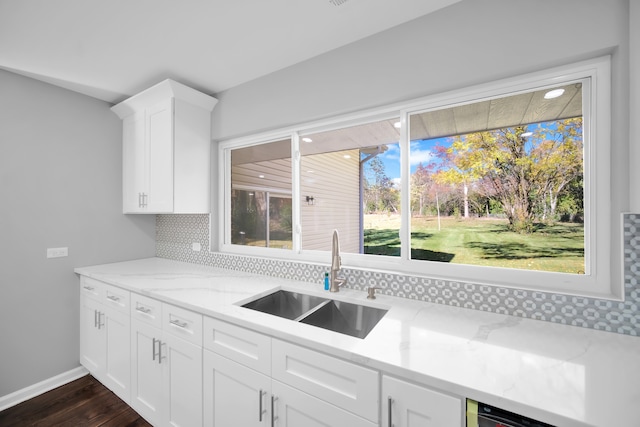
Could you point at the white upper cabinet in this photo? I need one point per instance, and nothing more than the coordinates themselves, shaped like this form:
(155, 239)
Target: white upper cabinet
(166, 150)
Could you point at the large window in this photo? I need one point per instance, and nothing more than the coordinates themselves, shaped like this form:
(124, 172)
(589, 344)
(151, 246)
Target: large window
(494, 184)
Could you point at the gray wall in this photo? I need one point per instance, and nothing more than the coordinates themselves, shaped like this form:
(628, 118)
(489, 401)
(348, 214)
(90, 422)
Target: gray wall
(470, 42)
(60, 185)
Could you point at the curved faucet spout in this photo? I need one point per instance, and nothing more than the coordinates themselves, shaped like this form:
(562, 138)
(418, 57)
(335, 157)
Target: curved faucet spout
(335, 252)
(336, 263)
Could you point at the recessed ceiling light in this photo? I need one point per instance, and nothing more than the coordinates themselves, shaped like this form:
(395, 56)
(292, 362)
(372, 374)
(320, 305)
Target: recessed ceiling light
(397, 125)
(346, 156)
(260, 176)
(306, 139)
(525, 134)
(553, 93)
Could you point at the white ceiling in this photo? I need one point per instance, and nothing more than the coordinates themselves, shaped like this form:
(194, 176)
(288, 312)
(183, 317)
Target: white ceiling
(112, 49)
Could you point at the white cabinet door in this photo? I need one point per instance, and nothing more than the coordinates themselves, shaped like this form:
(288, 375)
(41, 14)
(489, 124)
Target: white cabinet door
(146, 371)
(134, 163)
(234, 395)
(294, 408)
(182, 382)
(117, 327)
(159, 135)
(409, 405)
(92, 337)
(166, 377)
(104, 345)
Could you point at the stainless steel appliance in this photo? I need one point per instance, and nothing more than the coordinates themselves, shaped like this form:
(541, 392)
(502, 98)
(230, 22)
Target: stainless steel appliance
(483, 415)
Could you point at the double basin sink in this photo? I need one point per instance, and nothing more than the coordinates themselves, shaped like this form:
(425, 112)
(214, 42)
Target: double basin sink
(338, 316)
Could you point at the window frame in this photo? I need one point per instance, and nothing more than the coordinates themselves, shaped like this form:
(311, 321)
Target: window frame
(597, 280)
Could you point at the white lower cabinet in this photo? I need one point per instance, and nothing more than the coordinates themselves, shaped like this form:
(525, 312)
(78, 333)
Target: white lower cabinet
(234, 395)
(252, 380)
(179, 369)
(294, 408)
(105, 335)
(166, 369)
(408, 405)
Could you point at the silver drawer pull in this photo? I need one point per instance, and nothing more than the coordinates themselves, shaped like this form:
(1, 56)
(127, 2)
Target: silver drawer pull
(274, 418)
(261, 411)
(179, 324)
(143, 309)
(153, 349)
(89, 288)
(114, 298)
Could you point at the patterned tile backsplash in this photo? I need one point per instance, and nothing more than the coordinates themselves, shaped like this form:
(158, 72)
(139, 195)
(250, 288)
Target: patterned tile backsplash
(176, 233)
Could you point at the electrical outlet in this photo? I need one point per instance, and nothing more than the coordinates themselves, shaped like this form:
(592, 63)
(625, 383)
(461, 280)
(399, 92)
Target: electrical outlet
(57, 252)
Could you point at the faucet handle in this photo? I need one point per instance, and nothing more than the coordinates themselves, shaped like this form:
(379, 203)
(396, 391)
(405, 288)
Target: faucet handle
(371, 292)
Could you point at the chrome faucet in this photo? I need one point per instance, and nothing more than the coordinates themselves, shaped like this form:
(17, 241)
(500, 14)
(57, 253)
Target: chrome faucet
(334, 280)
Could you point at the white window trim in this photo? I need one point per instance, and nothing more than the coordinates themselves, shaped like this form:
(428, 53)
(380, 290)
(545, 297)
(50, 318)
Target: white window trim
(597, 282)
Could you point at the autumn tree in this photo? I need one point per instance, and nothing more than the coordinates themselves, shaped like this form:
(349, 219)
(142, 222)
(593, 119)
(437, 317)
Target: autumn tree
(557, 164)
(421, 186)
(464, 162)
(525, 175)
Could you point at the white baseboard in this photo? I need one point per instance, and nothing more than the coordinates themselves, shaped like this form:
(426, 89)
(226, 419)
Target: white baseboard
(42, 387)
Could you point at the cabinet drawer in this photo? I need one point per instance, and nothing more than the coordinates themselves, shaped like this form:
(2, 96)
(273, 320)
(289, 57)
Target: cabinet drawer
(182, 323)
(92, 288)
(146, 309)
(241, 345)
(116, 298)
(333, 380)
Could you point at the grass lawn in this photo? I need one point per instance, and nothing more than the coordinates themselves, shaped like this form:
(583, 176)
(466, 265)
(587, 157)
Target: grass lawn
(480, 241)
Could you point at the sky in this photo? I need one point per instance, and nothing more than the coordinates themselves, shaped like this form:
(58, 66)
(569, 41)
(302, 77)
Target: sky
(422, 151)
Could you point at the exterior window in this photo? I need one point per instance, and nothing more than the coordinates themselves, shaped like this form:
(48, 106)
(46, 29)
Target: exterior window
(494, 184)
(347, 175)
(261, 211)
(503, 185)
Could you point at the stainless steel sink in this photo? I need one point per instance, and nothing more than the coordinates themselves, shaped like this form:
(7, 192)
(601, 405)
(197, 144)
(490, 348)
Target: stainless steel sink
(350, 319)
(290, 305)
(338, 316)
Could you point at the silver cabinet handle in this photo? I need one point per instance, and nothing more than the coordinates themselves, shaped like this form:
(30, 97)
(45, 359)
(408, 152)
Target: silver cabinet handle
(261, 411)
(273, 412)
(160, 344)
(100, 324)
(142, 200)
(143, 309)
(113, 298)
(95, 318)
(390, 403)
(178, 323)
(153, 348)
(89, 288)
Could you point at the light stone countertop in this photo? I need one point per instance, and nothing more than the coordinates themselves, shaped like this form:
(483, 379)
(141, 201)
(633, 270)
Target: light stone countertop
(562, 375)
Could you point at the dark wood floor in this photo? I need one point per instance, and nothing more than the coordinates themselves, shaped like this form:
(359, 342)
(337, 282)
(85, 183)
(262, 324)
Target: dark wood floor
(81, 403)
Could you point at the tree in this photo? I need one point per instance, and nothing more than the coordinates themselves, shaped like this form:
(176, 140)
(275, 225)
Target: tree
(421, 185)
(380, 195)
(558, 163)
(464, 163)
(526, 175)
